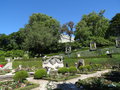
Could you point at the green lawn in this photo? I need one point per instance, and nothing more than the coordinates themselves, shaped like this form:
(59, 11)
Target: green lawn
(37, 64)
(3, 63)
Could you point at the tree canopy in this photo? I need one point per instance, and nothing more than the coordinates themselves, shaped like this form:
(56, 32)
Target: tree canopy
(68, 29)
(91, 25)
(42, 32)
(114, 28)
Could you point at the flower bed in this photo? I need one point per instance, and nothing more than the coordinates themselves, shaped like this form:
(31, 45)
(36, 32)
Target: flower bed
(2, 72)
(109, 81)
(11, 85)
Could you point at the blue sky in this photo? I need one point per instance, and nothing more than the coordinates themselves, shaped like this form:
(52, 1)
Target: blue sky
(14, 14)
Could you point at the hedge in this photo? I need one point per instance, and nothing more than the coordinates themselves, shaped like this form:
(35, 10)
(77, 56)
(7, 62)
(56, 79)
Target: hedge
(28, 87)
(40, 73)
(89, 68)
(63, 70)
(72, 70)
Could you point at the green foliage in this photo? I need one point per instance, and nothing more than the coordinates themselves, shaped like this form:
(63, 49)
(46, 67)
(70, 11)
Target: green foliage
(14, 53)
(89, 68)
(40, 73)
(92, 83)
(2, 53)
(20, 76)
(100, 41)
(63, 70)
(82, 68)
(28, 63)
(93, 24)
(73, 70)
(96, 66)
(68, 29)
(13, 41)
(114, 28)
(3, 63)
(42, 32)
(99, 83)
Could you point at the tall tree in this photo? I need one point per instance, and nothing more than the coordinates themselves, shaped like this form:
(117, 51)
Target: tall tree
(42, 32)
(114, 28)
(3, 41)
(93, 24)
(68, 29)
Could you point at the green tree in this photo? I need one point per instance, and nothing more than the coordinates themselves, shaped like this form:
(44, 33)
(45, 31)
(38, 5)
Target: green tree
(68, 29)
(114, 28)
(42, 32)
(3, 41)
(93, 24)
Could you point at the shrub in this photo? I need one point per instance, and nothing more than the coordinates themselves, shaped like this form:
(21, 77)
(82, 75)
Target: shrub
(82, 68)
(40, 73)
(20, 76)
(88, 68)
(63, 70)
(72, 70)
(96, 66)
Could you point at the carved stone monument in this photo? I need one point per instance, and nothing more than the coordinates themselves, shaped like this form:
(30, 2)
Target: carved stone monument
(52, 63)
(117, 42)
(68, 49)
(93, 46)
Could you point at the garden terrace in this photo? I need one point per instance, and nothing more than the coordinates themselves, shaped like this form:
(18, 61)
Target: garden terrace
(95, 60)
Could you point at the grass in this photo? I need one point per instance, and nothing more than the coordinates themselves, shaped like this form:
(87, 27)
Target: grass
(101, 60)
(3, 63)
(37, 64)
(112, 61)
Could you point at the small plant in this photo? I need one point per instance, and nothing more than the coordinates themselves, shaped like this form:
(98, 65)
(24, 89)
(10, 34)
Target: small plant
(82, 69)
(20, 76)
(72, 70)
(40, 73)
(63, 70)
(88, 67)
(96, 66)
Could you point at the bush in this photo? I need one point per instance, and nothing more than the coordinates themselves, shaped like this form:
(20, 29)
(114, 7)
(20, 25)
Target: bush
(20, 76)
(96, 66)
(88, 68)
(63, 70)
(72, 70)
(82, 68)
(40, 73)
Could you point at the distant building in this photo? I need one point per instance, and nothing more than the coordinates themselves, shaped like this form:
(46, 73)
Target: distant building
(65, 39)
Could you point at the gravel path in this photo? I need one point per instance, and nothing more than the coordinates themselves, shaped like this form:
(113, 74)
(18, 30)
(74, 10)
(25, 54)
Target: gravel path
(43, 83)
